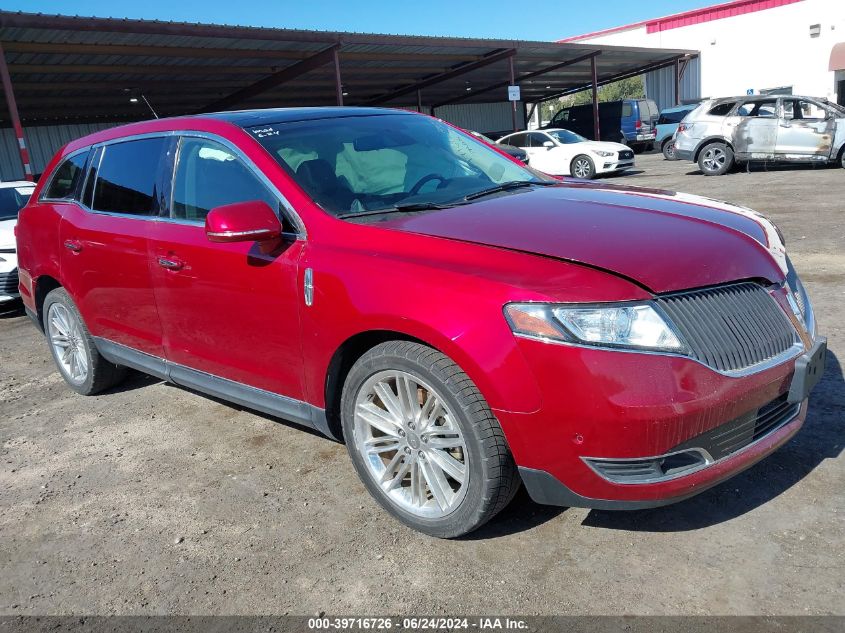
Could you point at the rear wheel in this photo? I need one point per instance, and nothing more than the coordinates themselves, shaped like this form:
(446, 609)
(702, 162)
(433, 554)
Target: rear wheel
(582, 167)
(73, 349)
(424, 441)
(715, 159)
(669, 150)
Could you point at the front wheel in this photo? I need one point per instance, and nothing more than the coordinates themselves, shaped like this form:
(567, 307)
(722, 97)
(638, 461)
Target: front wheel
(582, 167)
(715, 159)
(73, 349)
(424, 441)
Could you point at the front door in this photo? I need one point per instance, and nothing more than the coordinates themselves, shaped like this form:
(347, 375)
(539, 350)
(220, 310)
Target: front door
(229, 310)
(806, 130)
(105, 261)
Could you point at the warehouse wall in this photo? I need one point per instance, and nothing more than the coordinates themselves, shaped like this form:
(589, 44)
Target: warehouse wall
(660, 85)
(42, 143)
(487, 118)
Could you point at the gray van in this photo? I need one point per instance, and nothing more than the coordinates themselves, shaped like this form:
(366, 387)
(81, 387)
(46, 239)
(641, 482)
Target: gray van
(786, 128)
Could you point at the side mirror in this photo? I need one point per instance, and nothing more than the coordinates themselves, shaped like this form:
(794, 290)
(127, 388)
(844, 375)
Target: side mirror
(548, 144)
(252, 221)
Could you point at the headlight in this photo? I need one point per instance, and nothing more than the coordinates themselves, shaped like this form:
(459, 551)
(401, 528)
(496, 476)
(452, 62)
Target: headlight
(798, 299)
(602, 153)
(630, 325)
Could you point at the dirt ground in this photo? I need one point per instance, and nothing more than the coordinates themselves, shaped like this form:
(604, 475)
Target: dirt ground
(151, 499)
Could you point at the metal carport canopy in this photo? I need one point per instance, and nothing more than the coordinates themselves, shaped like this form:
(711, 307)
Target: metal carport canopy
(71, 69)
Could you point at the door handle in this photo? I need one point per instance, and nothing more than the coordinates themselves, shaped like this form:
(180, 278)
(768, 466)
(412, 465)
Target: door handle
(73, 245)
(171, 263)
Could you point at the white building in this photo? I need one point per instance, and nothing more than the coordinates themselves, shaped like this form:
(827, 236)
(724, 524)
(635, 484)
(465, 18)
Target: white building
(747, 47)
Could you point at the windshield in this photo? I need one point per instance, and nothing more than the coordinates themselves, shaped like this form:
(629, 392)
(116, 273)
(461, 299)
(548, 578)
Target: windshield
(12, 200)
(362, 164)
(566, 137)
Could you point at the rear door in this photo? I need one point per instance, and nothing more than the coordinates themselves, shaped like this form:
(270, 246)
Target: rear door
(806, 130)
(104, 255)
(754, 129)
(229, 310)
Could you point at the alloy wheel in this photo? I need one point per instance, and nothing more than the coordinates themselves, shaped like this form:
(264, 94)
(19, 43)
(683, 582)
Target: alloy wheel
(581, 168)
(714, 158)
(67, 341)
(411, 444)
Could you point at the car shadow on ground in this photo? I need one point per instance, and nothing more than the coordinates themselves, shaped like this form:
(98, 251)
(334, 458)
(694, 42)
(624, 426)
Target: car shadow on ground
(754, 168)
(522, 514)
(822, 437)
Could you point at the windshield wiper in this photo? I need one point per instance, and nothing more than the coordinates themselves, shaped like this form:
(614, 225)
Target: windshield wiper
(399, 208)
(507, 186)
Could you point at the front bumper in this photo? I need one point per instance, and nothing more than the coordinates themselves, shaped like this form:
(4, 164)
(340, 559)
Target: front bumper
(8, 276)
(622, 405)
(611, 165)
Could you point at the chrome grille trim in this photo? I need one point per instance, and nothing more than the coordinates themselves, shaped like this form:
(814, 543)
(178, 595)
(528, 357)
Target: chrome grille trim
(731, 328)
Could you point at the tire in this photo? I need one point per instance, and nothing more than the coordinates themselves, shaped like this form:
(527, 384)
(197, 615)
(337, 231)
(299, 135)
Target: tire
(715, 159)
(582, 167)
(465, 431)
(669, 150)
(842, 158)
(85, 370)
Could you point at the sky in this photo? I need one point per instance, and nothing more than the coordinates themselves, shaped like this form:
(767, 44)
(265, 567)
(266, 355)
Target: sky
(505, 19)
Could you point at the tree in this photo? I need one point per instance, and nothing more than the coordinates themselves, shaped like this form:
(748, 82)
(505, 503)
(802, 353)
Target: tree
(631, 88)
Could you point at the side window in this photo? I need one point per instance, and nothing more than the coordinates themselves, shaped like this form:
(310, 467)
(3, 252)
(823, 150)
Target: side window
(66, 178)
(627, 110)
(562, 115)
(763, 109)
(723, 109)
(536, 139)
(209, 175)
(127, 176)
(518, 140)
(809, 111)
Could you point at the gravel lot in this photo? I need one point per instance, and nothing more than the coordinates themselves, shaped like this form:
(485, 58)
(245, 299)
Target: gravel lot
(154, 500)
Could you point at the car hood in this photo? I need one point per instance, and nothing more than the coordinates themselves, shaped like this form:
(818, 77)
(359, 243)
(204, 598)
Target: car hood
(662, 241)
(7, 233)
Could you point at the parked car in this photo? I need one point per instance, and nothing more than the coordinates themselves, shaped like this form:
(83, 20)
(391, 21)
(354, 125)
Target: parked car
(666, 127)
(517, 152)
(722, 132)
(629, 121)
(463, 323)
(13, 196)
(563, 153)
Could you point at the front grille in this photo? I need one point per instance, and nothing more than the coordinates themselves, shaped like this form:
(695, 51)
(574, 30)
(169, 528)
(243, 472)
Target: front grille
(732, 327)
(626, 154)
(732, 436)
(9, 283)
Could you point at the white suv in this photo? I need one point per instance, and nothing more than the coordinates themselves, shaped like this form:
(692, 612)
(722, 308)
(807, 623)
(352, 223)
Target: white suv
(766, 128)
(13, 196)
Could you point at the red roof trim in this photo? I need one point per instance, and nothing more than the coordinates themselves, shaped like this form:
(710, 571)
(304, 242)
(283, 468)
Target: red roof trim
(696, 16)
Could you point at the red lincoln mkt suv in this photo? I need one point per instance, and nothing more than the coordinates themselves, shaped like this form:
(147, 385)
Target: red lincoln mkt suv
(464, 323)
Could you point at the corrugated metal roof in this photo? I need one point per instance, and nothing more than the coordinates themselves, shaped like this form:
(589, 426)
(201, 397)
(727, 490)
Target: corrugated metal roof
(84, 69)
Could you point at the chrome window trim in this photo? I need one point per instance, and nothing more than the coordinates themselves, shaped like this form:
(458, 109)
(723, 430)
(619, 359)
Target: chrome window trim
(708, 458)
(295, 218)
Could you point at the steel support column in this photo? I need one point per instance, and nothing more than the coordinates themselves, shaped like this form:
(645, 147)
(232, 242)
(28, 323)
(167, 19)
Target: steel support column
(513, 83)
(338, 85)
(419, 100)
(13, 114)
(596, 126)
(677, 69)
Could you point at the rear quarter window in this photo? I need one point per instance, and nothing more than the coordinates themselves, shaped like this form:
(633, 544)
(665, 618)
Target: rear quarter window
(66, 179)
(722, 109)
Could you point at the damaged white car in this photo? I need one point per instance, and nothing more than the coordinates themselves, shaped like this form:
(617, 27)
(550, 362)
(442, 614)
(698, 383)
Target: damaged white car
(722, 132)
